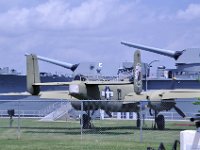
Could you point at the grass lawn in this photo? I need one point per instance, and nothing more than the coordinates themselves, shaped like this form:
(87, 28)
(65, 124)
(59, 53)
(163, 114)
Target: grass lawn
(107, 134)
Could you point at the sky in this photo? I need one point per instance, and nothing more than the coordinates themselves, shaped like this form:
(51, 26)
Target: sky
(91, 31)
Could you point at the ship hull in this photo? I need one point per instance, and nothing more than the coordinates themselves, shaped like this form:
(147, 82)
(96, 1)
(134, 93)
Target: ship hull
(17, 83)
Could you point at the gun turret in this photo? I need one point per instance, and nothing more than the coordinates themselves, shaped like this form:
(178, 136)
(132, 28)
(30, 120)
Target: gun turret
(85, 69)
(187, 60)
(169, 53)
(70, 66)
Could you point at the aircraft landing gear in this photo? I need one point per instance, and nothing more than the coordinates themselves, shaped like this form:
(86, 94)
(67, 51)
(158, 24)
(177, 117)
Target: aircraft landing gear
(138, 120)
(86, 121)
(160, 121)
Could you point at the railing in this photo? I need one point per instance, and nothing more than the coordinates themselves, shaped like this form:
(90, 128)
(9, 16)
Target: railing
(51, 105)
(51, 108)
(132, 116)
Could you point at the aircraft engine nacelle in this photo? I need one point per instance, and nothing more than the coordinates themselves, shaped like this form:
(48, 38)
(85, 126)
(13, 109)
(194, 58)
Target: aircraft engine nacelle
(85, 105)
(78, 90)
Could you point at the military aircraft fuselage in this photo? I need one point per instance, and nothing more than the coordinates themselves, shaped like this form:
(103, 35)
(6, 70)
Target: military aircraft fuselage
(108, 106)
(111, 96)
(99, 92)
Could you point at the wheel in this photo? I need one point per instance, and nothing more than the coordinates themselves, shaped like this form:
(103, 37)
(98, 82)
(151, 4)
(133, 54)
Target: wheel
(86, 121)
(138, 120)
(36, 90)
(138, 123)
(160, 121)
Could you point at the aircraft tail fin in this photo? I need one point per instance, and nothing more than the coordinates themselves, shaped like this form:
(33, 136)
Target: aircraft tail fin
(32, 75)
(137, 73)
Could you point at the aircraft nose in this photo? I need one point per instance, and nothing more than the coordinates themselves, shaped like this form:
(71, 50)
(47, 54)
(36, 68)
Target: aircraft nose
(73, 88)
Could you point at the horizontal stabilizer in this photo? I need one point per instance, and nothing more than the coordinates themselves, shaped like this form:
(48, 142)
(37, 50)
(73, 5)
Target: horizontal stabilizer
(53, 84)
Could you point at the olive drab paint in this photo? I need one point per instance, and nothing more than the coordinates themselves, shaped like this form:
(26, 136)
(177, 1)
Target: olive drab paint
(137, 73)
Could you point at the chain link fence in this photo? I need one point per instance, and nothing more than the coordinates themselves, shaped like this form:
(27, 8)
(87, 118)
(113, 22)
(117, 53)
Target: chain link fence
(138, 122)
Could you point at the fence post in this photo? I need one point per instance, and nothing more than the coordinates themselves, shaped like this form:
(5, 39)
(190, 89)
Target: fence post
(18, 121)
(81, 120)
(141, 122)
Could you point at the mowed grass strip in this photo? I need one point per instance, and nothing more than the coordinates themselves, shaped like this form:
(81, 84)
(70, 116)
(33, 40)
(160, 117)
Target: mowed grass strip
(106, 134)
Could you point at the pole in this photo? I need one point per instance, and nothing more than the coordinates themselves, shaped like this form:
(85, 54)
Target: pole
(141, 123)
(18, 121)
(81, 120)
(147, 66)
(146, 77)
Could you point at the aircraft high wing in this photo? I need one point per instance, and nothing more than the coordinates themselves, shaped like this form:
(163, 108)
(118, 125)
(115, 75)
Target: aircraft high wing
(114, 96)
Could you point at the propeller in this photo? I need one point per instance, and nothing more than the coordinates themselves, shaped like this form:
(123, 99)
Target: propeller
(93, 111)
(108, 113)
(150, 112)
(179, 111)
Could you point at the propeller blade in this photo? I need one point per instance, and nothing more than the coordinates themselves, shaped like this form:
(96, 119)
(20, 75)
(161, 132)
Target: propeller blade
(93, 112)
(108, 113)
(179, 111)
(150, 112)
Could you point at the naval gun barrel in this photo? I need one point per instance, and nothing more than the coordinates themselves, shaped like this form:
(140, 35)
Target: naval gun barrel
(165, 52)
(57, 62)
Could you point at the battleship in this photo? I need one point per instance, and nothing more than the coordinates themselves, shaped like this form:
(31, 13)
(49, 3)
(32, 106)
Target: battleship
(186, 75)
(13, 81)
(164, 78)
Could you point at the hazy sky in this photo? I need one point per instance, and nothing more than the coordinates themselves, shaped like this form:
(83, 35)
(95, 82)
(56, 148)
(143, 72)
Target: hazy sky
(91, 30)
